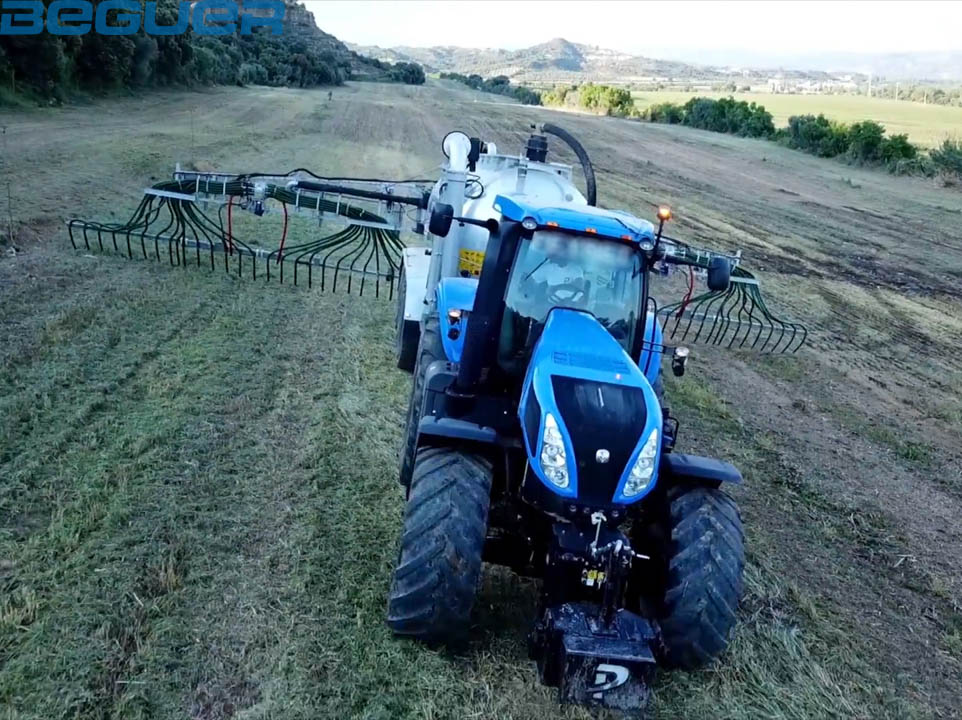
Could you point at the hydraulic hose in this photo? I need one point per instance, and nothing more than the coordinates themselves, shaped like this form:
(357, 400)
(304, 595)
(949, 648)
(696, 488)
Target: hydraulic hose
(579, 150)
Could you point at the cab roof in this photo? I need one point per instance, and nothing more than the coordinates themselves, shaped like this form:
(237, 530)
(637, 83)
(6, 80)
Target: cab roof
(578, 218)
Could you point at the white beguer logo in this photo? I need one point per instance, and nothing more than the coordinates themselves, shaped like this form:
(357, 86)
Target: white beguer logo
(602, 456)
(608, 677)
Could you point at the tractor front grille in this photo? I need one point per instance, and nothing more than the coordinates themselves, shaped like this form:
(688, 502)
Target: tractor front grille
(599, 416)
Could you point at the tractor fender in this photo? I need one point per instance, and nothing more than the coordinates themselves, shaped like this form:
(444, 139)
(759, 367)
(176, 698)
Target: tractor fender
(481, 421)
(457, 429)
(695, 469)
(440, 376)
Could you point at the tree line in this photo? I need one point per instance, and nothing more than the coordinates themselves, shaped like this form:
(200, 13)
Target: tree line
(929, 94)
(403, 72)
(600, 99)
(499, 85)
(49, 68)
(863, 142)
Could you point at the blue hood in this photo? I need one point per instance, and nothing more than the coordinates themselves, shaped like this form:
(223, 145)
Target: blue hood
(600, 400)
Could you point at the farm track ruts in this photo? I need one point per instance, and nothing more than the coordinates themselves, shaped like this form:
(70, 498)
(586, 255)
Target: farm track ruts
(214, 533)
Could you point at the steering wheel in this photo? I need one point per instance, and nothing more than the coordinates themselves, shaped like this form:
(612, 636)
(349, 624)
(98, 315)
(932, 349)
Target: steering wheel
(565, 293)
(618, 329)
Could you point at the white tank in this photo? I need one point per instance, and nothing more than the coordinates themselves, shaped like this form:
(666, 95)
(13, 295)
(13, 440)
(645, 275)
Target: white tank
(545, 183)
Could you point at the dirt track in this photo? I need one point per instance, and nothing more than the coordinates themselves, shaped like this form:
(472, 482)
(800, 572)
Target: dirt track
(197, 476)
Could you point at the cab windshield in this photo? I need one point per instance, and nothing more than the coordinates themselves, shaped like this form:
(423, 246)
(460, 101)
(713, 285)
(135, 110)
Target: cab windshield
(555, 269)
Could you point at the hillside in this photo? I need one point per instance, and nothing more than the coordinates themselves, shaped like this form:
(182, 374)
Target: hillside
(299, 23)
(560, 60)
(555, 60)
(46, 68)
(932, 66)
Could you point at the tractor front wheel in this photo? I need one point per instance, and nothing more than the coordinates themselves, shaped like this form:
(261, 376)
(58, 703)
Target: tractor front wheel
(706, 558)
(439, 564)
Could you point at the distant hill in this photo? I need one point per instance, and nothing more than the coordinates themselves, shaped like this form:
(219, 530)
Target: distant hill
(935, 66)
(560, 60)
(555, 60)
(299, 24)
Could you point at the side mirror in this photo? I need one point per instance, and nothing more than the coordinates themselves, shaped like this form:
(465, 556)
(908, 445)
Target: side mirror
(719, 273)
(441, 217)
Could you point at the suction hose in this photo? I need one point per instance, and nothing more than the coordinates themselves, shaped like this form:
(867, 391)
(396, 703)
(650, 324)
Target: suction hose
(586, 167)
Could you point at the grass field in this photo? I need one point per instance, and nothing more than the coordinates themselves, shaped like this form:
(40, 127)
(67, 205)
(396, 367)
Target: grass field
(926, 125)
(198, 506)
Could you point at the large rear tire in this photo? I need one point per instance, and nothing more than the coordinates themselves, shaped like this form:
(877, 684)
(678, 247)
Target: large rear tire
(439, 564)
(429, 350)
(705, 562)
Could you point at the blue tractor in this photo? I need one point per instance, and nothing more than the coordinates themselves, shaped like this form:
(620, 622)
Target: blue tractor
(538, 435)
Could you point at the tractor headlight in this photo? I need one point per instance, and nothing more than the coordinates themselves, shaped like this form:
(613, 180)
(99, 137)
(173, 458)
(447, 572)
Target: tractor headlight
(554, 464)
(644, 467)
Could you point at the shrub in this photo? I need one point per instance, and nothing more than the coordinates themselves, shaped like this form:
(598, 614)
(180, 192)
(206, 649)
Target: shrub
(781, 136)
(606, 99)
(702, 113)
(500, 85)
(921, 164)
(252, 73)
(666, 112)
(947, 158)
(817, 135)
(410, 73)
(527, 96)
(728, 115)
(897, 148)
(559, 96)
(757, 122)
(865, 141)
(835, 142)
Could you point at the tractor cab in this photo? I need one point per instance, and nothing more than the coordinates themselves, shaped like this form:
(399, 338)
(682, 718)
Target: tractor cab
(577, 257)
(552, 350)
(567, 256)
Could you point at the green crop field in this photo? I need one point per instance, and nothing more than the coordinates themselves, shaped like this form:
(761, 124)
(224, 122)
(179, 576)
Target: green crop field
(926, 125)
(199, 508)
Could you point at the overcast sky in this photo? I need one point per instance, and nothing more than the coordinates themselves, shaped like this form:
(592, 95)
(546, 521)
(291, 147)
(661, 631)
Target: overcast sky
(656, 29)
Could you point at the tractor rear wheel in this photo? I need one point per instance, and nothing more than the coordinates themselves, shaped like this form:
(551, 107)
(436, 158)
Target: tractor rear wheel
(429, 350)
(706, 557)
(439, 564)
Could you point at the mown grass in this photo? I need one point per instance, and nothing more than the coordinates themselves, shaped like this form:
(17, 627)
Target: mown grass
(791, 656)
(199, 505)
(217, 528)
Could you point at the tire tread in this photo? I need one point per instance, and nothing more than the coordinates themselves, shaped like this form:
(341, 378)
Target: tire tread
(439, 565)
(704, 576)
